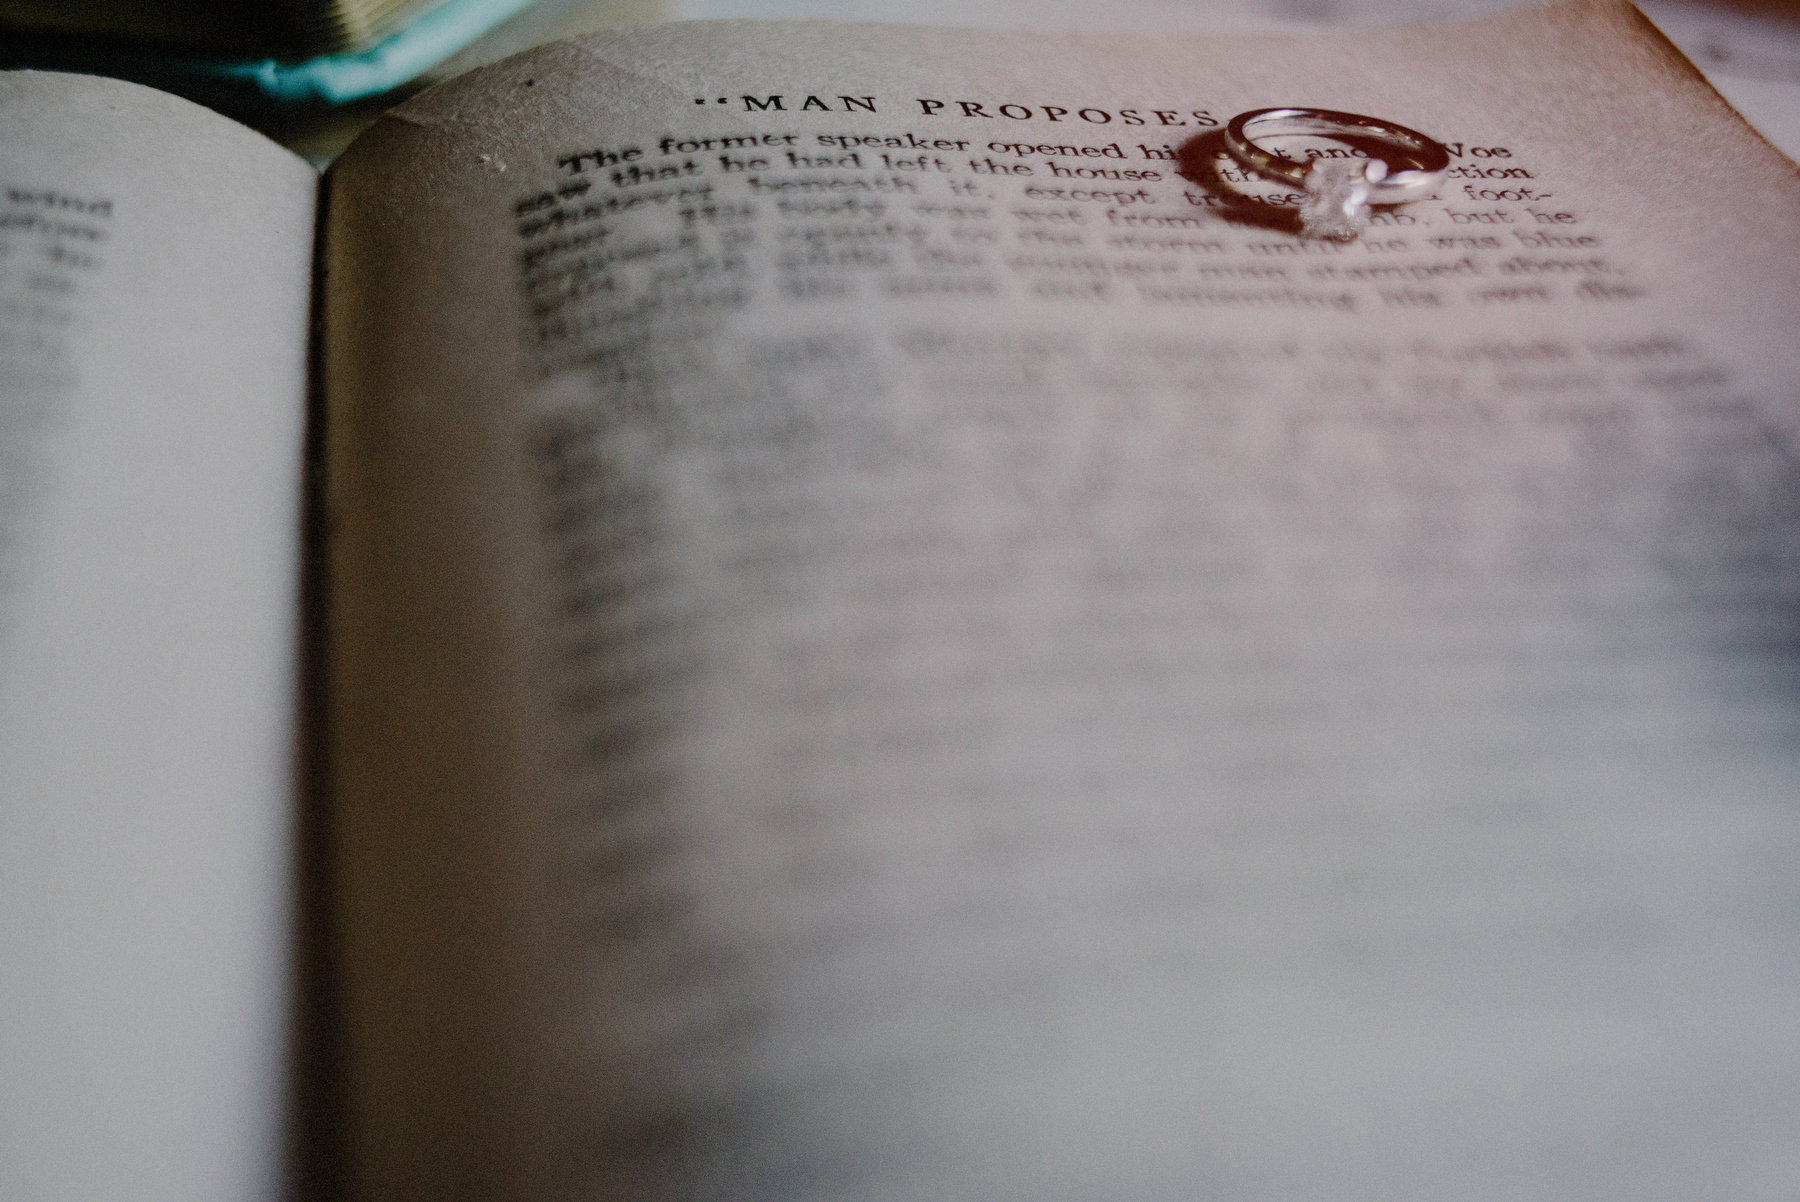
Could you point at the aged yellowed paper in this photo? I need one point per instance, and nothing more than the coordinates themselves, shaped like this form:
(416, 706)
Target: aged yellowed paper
(900, 636)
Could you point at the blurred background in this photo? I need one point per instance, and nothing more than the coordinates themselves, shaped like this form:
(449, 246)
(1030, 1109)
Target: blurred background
(314, 73)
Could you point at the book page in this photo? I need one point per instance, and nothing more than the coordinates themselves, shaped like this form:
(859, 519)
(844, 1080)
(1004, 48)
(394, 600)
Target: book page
(155, 262)
(899, 635)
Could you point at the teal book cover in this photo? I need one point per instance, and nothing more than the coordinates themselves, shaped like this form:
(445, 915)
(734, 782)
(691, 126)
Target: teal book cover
(326, 79)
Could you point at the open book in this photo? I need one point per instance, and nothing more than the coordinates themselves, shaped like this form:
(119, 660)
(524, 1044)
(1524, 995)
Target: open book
(887, 630)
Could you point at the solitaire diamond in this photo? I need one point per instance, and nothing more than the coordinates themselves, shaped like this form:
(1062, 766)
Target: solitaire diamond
(1337, 197)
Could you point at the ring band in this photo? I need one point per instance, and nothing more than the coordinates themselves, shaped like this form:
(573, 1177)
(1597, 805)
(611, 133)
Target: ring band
(1340, 190)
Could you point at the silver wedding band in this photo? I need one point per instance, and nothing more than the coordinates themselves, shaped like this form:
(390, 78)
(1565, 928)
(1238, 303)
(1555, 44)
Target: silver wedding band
(1420, 166)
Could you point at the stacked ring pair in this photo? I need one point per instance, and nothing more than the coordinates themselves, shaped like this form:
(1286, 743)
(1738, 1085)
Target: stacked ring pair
(1338, 192)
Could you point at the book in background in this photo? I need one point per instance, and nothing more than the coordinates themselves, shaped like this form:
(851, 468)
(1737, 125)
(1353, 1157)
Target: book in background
(286, 30)
(244, 54)
(313, 106)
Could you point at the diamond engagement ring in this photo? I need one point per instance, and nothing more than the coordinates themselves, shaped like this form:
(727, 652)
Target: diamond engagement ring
(1339, 190)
